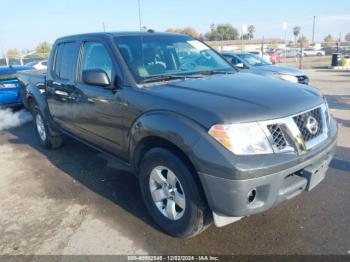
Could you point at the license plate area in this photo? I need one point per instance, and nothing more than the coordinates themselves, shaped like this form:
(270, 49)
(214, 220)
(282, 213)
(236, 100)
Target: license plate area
(316, 173)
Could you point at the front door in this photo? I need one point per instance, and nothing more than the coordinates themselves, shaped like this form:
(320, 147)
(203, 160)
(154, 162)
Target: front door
(96, 111)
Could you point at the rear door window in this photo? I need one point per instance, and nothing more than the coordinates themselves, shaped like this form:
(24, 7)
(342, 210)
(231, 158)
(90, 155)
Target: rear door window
(66, 57)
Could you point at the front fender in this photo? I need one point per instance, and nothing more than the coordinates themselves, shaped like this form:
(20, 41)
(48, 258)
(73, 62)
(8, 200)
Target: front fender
(166, 125)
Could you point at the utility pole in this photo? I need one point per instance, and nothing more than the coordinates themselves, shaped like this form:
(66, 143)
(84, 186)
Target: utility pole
(243, 32)
(313, 30)
(140, 18)
(301, 53)
(103, 26)
(222, 43)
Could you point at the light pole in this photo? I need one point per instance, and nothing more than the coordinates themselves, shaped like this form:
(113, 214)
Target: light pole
(222, 43)
(285, 27)
(313, 30)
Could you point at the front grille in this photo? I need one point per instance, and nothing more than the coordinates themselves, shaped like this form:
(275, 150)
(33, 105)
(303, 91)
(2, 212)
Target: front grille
(278, 136)
(303, 79)
(302, 120)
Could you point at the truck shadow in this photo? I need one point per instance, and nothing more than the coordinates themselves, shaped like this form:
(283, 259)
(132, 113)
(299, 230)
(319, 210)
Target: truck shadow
(339, 102)
(82, 167)
(338, 163)
(343, 122)
(113, 196)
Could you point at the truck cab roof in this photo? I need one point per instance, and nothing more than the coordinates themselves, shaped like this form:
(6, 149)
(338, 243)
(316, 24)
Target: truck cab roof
(114, 34)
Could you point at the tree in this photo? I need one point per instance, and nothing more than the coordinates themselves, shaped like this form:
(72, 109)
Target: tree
(296, 33)
(347, 37)
(15, 53)
(329, 39)
(251, 31)
(43, 48)
(290, 44)
(222, 32)
(304, 41)
(187, 31)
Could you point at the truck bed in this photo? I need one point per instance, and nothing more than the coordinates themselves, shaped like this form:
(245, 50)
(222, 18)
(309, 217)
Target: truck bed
(34, 79)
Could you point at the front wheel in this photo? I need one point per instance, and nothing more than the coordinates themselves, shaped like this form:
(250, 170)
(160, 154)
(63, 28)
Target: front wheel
(43, 133)
(171, 194)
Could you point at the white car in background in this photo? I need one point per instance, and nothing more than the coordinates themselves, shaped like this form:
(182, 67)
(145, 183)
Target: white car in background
(313, 52)
(38, 65)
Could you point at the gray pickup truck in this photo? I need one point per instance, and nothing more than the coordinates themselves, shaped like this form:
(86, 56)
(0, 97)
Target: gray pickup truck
(207, 143)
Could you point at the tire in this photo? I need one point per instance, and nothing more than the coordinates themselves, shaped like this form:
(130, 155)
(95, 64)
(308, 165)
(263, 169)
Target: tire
(189, 218)
(46, 139)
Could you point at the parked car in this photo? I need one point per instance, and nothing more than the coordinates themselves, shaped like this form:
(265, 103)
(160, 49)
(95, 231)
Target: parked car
(206, 143)
(264, 55)
(9, 87)
(38, 65)
(250, 63)
(275, 57)
(291, 52)
(313, 52)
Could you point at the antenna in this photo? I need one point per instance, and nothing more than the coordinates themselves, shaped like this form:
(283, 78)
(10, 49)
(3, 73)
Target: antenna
(140, 18)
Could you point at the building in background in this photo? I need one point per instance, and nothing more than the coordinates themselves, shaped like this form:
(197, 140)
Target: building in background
(247, 45)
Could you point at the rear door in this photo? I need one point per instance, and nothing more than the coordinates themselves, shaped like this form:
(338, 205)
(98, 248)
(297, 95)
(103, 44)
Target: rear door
(60, 85)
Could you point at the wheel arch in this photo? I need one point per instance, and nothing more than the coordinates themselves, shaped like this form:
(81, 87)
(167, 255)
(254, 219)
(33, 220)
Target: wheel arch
(162, 129)
(152, 142)
(169, 131)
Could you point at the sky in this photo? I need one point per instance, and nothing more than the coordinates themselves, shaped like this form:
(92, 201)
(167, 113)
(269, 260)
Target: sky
(26, 23)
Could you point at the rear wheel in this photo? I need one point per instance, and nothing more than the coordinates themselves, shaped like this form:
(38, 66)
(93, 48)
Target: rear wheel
(171, 194)
(45, 138)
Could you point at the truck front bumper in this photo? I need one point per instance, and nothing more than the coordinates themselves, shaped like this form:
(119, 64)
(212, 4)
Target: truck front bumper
(231, 199)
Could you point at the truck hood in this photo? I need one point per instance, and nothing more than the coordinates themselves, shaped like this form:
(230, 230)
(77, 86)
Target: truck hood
(240, 97)
(280, 69)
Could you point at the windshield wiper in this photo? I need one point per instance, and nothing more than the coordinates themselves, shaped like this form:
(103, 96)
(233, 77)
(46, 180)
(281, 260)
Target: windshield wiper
(215, 72)
(167, 78)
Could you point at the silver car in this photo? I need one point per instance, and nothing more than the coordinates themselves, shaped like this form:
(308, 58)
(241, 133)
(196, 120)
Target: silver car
(247, 62)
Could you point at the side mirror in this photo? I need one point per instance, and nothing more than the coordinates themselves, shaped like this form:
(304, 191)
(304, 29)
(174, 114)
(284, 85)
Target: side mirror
(96, 77)
(239, 65)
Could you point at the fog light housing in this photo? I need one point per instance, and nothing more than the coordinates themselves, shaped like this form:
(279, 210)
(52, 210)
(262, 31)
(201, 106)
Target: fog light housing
(251, 196)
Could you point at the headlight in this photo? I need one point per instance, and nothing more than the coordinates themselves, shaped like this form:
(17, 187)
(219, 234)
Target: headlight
(242, 139)
(328, 112)
(8, 85)
(289, 78)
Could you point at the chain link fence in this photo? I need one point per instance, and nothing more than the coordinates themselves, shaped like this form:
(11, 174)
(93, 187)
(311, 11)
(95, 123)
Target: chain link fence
(22, 59)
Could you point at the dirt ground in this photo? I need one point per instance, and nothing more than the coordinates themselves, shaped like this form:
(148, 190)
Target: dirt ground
(77, 201)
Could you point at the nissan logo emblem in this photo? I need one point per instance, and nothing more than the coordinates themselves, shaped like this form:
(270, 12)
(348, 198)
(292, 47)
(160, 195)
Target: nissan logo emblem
(312, 125)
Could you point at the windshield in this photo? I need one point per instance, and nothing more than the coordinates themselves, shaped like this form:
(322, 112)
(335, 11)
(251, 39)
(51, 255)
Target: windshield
(161, 55)
(253, 60)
